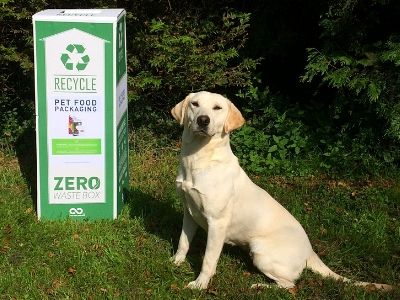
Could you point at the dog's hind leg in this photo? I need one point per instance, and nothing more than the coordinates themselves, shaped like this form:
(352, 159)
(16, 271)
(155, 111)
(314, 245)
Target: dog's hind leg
(280, 273)
(283, 265)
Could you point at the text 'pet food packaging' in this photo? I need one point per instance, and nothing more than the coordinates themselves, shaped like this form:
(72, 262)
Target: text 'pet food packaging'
(81, 113)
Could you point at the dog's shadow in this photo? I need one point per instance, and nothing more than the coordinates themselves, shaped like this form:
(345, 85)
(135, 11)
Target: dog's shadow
(165, 221)
(159, 217)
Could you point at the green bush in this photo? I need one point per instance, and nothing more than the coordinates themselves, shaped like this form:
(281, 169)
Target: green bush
(360, 61)
(16, 65)
(171, 58)
(270, 140)
(371, 78)
(348, 118)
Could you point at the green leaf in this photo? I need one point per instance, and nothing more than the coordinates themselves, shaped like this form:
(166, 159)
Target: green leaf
(373, 91)
(273, 148)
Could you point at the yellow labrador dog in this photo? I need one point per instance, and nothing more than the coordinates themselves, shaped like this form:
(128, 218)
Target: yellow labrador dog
(219, 196)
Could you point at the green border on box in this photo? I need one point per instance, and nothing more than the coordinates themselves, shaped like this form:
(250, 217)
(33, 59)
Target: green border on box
(105, 31)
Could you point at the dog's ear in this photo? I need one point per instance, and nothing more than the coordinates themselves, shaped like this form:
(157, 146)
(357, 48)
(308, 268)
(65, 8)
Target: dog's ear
(234, 119)
(178, 112)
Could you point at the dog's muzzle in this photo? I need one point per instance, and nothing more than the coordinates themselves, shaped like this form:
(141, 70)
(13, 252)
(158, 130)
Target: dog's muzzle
(203, 121)
(202, 125)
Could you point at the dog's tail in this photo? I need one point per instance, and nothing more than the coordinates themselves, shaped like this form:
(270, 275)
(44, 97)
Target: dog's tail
(316, 264)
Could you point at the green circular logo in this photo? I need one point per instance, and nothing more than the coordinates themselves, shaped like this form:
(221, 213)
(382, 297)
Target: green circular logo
(75, 57)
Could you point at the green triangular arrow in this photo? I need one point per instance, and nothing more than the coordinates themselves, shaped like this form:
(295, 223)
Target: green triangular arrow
(64, 58)
(80, 66)
(69, 66)
(79, 48)
(70, 48)
(85, 59)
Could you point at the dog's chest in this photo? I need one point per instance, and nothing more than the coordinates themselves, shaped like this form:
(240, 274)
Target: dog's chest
(195, 203)
(207, 192)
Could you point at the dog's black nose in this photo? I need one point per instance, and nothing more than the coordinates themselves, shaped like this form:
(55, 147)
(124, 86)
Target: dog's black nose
(203, 121)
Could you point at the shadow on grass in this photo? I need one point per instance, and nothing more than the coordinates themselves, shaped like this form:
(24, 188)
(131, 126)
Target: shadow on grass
(26, 153)
(159, 217)
(163, 220)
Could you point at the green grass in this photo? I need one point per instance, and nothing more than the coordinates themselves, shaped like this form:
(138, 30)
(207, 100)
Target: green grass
(353, 225)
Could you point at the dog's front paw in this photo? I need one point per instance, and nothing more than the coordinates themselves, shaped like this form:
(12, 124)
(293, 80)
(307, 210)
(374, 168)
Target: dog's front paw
(178, 259)
(198, 284)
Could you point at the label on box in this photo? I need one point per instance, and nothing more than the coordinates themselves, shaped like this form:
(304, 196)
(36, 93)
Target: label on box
(76, 127)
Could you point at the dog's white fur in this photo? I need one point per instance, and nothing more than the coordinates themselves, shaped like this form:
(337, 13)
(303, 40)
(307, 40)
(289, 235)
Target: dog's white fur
(219, 196)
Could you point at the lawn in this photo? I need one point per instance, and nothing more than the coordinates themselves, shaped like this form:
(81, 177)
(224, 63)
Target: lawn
(353, 225)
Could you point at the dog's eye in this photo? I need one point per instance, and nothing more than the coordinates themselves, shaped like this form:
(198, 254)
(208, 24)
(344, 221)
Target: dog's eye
(195, 104)
(217, 107)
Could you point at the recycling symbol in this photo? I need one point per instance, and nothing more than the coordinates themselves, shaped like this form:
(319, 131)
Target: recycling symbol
(75, 57)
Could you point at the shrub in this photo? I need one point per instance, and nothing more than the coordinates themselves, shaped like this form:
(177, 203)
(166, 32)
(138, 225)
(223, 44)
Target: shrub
(171, 58)
(16, 69)
(360, 61)
(270, 140)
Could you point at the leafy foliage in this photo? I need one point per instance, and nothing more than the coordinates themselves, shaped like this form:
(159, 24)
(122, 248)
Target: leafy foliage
(271, 139)
(172, 58)
(359, 64)
(16, 69)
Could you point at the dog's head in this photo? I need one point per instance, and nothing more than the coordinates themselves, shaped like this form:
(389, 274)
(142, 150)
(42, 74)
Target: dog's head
(207, 114)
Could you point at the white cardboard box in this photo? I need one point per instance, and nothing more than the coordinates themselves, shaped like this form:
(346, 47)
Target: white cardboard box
(81, 113)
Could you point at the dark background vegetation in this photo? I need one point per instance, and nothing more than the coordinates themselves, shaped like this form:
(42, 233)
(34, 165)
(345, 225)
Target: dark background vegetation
(318, 81)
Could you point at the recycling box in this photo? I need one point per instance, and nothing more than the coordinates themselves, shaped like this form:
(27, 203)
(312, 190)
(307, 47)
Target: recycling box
(81, 113)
